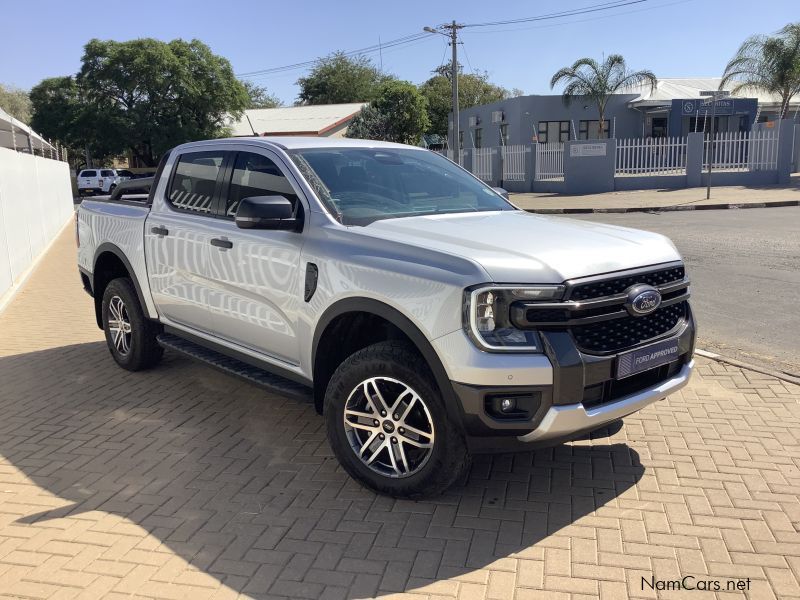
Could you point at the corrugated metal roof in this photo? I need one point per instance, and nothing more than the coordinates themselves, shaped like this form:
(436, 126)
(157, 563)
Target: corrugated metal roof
(687, 88)
(294, 119)
(7, 122)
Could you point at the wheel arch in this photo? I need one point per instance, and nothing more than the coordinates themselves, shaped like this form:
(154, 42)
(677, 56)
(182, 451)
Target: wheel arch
(109, 263)
(351, 308)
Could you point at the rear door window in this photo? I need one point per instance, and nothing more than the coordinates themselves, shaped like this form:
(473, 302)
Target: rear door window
(106, 173)
(194, 181)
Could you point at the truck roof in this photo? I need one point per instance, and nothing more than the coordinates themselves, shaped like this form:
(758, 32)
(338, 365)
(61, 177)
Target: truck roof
(299, 142)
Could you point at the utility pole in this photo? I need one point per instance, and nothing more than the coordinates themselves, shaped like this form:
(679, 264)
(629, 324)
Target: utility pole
(452, 29)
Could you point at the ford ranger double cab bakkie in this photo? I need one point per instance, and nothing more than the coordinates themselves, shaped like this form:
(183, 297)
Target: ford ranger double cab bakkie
(424, 315)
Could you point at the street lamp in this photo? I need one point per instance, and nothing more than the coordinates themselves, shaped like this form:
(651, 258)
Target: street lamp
(453, 36)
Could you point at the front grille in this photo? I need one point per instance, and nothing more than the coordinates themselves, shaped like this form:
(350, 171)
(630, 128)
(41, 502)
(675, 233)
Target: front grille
(594, 310)
(617, 285)
(616, 334)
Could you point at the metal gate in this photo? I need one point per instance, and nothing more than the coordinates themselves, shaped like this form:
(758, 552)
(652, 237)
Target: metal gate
(550, 162)
(514, 162)
(482, 163)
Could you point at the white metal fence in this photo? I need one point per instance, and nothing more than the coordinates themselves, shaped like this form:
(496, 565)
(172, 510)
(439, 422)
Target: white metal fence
(482, 163)
(651, 156)
(742, 151)
(514, 162)
(549, 162)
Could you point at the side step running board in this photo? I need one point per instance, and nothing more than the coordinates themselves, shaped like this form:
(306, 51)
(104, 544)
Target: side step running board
(232, 366)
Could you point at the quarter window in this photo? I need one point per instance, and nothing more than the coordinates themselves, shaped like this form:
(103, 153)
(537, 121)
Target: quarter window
(256, 175)
(194, 181)
(106, 173)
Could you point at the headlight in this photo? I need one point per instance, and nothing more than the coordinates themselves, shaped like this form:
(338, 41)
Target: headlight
(486, 316)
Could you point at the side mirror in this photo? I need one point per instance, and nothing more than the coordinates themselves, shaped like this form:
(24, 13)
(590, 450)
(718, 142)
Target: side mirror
(501, 191)
(266, 212)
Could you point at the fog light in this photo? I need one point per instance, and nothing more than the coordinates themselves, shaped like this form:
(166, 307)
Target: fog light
(507, 405)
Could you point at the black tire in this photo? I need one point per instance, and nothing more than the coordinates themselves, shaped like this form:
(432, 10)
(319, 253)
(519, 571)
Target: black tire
(399, 363)
(111, 189)
(143, 351)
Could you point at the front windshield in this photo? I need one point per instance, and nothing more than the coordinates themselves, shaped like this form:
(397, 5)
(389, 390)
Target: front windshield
(362, 185)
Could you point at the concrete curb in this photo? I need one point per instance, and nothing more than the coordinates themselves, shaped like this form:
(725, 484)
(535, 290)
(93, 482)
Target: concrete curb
(751, 367)
(671, 208)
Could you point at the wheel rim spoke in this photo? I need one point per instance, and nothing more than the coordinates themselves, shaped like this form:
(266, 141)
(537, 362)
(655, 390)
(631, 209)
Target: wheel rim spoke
(368, 443)
(402, 461)
(417, 432)
(395, 440)
(119, 325)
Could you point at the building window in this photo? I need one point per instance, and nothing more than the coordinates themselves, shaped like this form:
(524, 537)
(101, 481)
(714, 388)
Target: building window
(504, 134)
(551, 132)
(478, 137)
(590, 130)
(460, 140)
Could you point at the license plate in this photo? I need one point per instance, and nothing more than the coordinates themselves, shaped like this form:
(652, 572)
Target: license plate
(649, 357)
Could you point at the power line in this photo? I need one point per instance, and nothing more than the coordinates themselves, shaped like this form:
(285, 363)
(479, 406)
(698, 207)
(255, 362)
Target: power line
(561, 14)
(418, 37)
(572, 21)
(408, 39)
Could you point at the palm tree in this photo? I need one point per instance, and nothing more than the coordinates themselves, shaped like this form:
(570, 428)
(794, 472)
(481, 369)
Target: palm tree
(589, 79)
(768, 63)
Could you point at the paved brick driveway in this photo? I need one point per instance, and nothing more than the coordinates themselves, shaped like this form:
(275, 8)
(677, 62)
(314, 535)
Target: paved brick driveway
(184, 483)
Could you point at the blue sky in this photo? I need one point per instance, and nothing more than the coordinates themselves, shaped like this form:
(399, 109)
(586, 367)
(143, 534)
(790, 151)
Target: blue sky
(674, 38)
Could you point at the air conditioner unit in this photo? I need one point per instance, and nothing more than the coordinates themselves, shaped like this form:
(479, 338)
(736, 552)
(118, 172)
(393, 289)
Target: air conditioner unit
(498, 116)
(474, 121)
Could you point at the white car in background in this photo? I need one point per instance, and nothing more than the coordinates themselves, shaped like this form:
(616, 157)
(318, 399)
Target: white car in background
(99, 181)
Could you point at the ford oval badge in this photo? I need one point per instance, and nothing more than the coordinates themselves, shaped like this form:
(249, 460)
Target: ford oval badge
(642, 300)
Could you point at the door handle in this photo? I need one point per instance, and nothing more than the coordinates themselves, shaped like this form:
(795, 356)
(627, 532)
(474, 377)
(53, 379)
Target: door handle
(220, 243)
(159, 230)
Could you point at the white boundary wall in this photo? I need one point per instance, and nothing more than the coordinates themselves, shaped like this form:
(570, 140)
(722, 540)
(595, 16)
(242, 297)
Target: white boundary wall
(35, 203)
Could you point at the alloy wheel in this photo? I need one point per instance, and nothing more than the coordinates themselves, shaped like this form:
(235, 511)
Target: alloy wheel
(389, 427)
(119, 325)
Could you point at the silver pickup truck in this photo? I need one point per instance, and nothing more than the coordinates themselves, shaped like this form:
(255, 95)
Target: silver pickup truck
(423, 314)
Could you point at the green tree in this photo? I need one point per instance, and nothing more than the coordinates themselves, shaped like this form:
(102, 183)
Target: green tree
(58, 112)
(473, 90)
(768, 63)
(15, 102)
(339, 79)
(260, 97)
(151, 95)
(398, 114)
(369, 124)
(597, 82)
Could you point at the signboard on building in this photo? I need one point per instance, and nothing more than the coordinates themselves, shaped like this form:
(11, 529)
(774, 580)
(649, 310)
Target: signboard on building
(692, 108)
(587, 150)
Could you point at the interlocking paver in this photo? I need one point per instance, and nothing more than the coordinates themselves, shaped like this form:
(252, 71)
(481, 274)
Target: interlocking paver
(184, 483)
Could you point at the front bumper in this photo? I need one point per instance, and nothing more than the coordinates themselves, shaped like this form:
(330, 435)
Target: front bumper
(560, 422)
(579, 394)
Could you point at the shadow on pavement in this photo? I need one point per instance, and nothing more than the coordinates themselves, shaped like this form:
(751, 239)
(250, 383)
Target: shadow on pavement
(243, 487)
